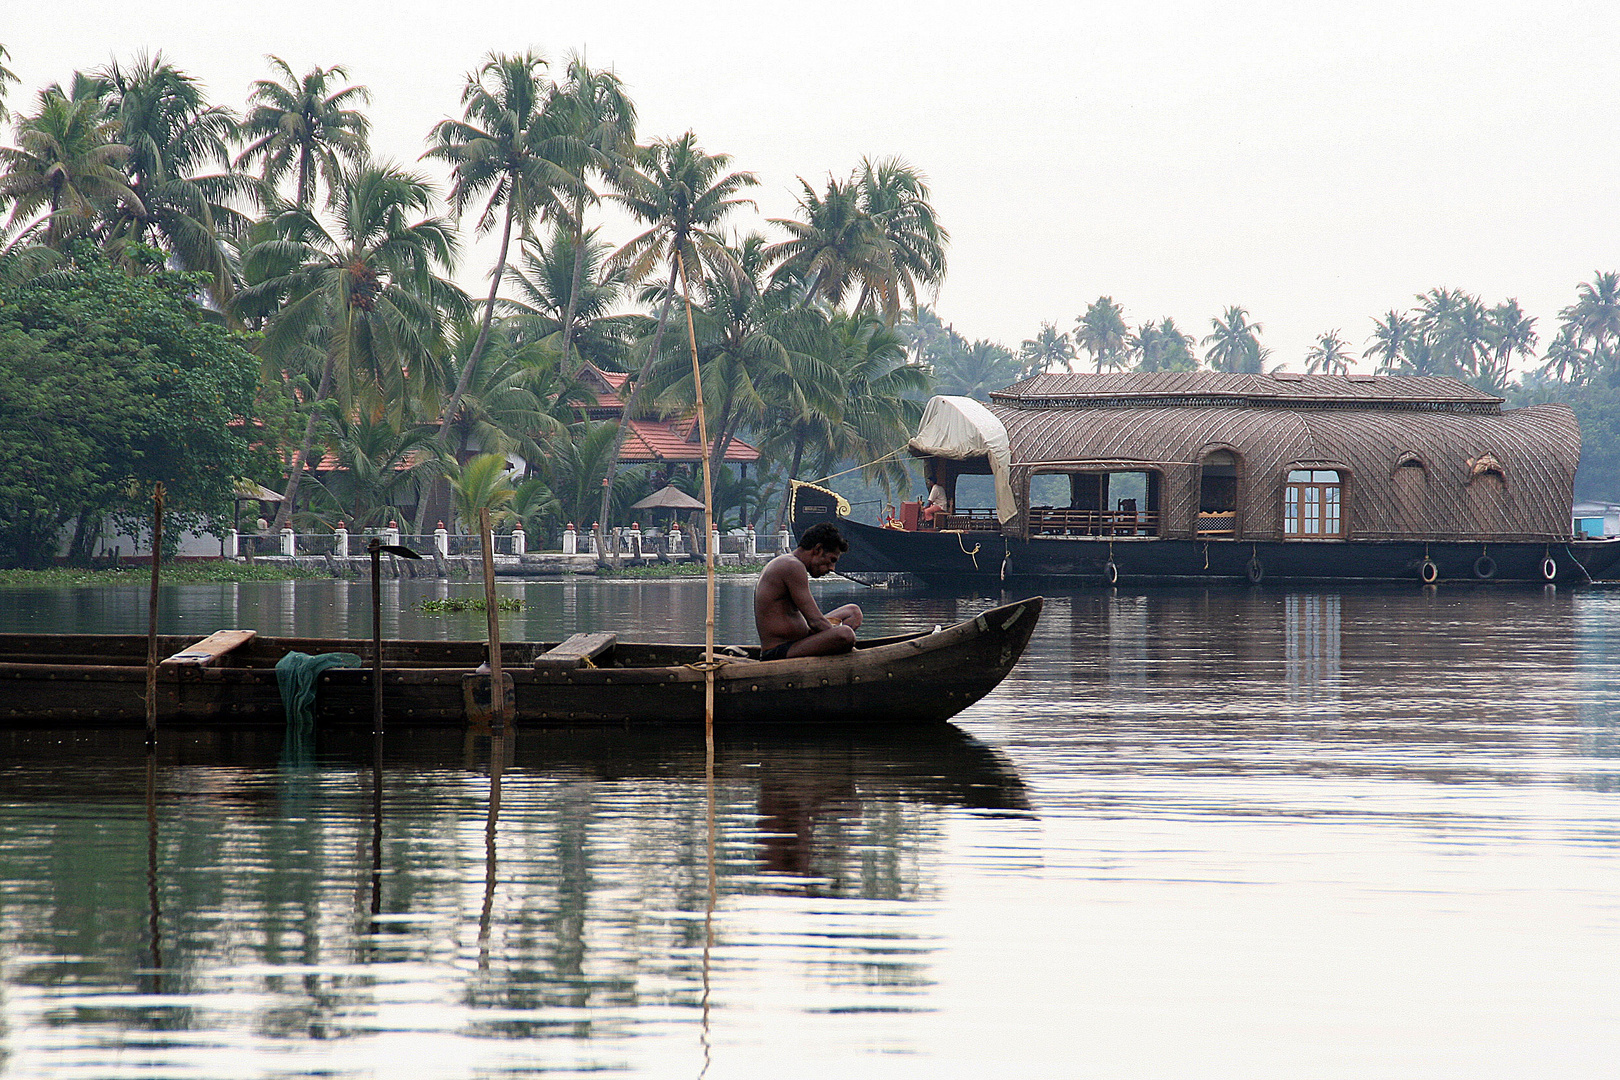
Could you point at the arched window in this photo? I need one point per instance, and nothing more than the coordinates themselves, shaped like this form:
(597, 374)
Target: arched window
(1217, 494)
(1313, 504)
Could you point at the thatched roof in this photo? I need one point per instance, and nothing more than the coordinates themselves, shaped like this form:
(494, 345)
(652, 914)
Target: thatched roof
(1283, 390)
(668, 497)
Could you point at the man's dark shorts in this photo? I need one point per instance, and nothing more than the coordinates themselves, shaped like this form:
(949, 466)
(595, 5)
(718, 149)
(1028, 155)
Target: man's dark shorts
(777, 652)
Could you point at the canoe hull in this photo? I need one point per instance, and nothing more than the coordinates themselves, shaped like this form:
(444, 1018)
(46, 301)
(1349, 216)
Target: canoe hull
(907, 679)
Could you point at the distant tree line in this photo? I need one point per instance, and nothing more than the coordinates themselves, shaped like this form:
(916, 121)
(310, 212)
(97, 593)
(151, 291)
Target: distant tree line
(332, 269)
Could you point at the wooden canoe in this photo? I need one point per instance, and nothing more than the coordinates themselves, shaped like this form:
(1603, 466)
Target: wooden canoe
(88, 679)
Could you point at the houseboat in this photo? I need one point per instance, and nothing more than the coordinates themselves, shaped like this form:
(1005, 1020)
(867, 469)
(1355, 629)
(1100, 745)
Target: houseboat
(1204, 476)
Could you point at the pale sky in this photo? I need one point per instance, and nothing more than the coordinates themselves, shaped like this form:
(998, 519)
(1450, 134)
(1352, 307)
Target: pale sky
(1317, 163)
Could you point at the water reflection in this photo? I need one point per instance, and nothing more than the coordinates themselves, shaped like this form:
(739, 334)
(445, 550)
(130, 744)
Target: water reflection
(1265, 817)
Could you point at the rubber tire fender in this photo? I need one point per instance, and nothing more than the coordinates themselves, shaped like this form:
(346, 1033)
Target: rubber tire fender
(1110, 572)
(1549, 568)
(1255, 571)
(1429, 572)
(1484, 568)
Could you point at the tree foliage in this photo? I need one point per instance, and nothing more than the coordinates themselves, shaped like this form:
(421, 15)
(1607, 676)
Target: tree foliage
(109, 384)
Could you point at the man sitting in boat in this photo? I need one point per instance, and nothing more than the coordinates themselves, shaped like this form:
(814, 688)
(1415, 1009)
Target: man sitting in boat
(786, 615)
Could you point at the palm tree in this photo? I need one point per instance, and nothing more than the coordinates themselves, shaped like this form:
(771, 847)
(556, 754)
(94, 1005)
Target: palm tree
(516, 150)
(682, 194)
(1234, 345)
(1102, 332)
(1595, 321)
(1046, 350)
(1328, 355)
(308, 127)
(595, 108)
(363, 298)
(379, 460)
(877, 230)
(483, 483)
(176, 140)
(566, 282)
(1392, 340)
(66, 167)
(894, 196)
(1510, 332)
(1162, 347)
(6, 76)
(983, 367)
(1566, 359)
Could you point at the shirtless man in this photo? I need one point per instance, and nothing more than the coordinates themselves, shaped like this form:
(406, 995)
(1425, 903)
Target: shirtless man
(786, 615)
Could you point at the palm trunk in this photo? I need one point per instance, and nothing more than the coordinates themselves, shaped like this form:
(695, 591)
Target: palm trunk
(296, 473)
(793, 474)
(629, 407)
(573, 288)
(465, 379)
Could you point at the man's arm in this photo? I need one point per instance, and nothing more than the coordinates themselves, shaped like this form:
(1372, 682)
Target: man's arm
(798, 587)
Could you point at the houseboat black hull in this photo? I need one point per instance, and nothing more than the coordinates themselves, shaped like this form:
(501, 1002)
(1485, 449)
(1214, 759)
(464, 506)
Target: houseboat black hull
(945, 558)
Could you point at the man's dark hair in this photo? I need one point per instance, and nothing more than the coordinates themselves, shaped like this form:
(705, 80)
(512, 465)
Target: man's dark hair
(824, 536)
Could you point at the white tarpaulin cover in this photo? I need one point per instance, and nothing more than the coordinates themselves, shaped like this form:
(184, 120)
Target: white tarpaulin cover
(960, 428)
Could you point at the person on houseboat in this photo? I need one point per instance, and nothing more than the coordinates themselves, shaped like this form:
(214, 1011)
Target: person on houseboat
(786, 615)
(939, 504)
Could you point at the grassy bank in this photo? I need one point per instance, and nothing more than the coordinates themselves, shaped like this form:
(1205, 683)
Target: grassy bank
(181, 573)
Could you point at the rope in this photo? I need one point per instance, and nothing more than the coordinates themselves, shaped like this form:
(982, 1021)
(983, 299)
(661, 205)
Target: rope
(974, 554)
(703, 666)
(858, 468)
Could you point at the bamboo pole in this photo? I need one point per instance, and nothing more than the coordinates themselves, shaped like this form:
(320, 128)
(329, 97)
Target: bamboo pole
(708, 514)
(497, 686)
(152, 617)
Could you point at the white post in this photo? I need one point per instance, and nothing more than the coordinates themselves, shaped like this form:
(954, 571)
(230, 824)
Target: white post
(570, 540)
(340, 541)
(784, 542)
(750, 542)
(714, 543)
(441, 541)
(520, 543)
(633, 540)
(289, 545)
(391, 534)
(675, 538)
(233, 544)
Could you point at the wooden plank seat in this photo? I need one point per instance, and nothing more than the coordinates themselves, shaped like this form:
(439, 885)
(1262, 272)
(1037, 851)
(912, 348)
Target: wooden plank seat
(210, 648)
(580, 650)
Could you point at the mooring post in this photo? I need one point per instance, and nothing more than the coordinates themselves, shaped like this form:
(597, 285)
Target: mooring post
(497, 686)
(152, 618)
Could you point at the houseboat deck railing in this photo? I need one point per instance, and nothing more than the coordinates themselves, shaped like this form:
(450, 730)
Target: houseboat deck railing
(1217, 523)
(1062, 521)
(972, 520)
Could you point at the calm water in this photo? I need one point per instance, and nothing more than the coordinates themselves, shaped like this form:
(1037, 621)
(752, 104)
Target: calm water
(1195, 834)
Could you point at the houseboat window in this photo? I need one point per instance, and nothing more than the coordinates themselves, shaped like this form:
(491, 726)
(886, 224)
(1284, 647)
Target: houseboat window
(1217, 494)
(1312, 503)
(1094, 504)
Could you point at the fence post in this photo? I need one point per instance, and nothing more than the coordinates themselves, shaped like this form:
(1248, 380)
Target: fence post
(784, 542)
(520, 542)
(233, 544)
(750, 542)
(633, 540)
(441, 540)
(570, 540)
(289, 544)
(675, 538)
(714, 543)
(340, 541)
(391, 533)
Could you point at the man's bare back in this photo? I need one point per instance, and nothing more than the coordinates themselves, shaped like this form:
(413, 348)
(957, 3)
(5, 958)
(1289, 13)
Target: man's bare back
(786, 614)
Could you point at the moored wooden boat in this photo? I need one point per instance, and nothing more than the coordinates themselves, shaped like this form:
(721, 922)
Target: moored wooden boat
(590, 679)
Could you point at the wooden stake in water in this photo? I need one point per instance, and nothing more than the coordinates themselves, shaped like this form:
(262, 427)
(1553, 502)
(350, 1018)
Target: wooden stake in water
(152, 617)
(377, 547)
(497, 686)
